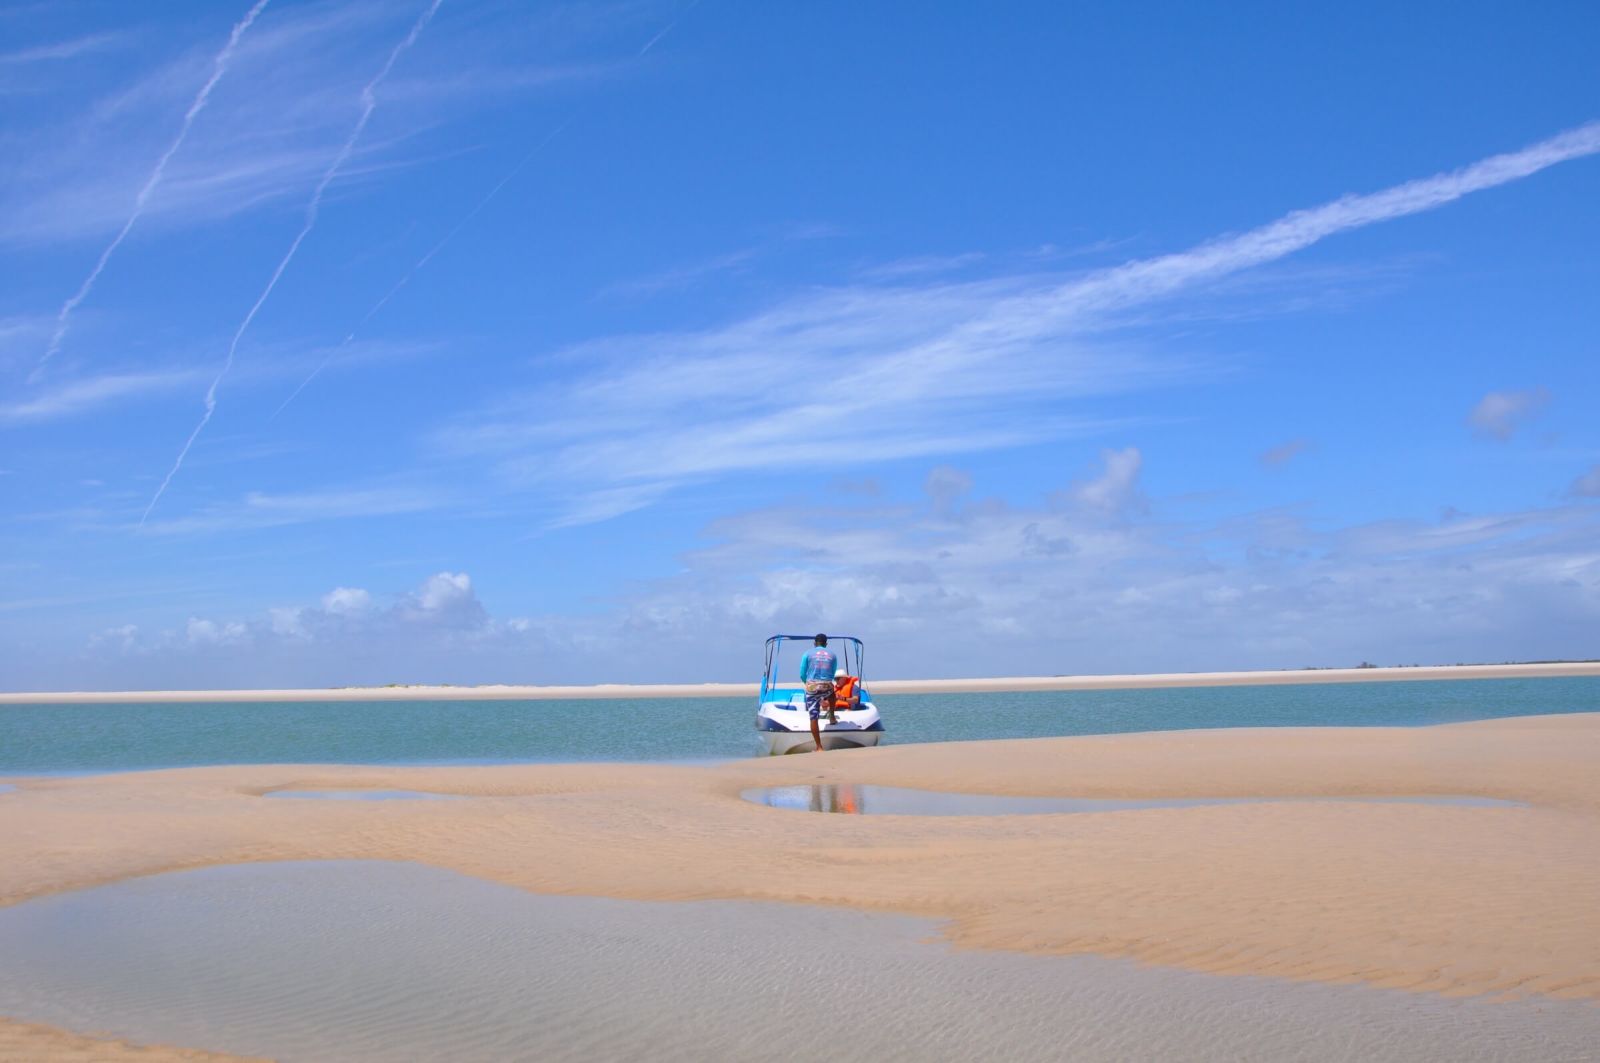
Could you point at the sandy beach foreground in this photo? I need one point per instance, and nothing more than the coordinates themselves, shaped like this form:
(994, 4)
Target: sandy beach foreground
(1435, 898)
(996, 684)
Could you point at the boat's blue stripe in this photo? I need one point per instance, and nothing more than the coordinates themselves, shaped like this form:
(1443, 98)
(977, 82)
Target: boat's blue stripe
(764, 724)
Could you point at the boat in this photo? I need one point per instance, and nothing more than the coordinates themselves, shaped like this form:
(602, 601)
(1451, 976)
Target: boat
(781, 717)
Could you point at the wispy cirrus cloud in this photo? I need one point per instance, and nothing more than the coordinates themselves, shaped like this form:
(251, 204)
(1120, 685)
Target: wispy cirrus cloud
(875, 373)
(259, 509)
(369, 103)
(57, 51)
(219, 67)
(91, 393)
(923, 265)
(271, 125)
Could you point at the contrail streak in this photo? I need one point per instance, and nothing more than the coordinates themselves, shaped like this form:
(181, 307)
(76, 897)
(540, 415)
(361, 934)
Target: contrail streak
(421, 262)
(369, 101)
(484, 202)
(219, 66)
(1152, 277)
(651, 43)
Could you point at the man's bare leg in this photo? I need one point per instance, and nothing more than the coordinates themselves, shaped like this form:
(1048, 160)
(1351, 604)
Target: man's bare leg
(816, 733)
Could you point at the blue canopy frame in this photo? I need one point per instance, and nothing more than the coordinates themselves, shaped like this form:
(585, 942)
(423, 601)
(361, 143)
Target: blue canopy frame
(850, 656)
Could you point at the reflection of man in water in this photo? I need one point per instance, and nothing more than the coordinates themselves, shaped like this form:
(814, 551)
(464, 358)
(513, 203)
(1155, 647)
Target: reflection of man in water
(816, 672)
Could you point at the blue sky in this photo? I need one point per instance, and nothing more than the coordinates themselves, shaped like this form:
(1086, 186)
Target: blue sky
(507, 342)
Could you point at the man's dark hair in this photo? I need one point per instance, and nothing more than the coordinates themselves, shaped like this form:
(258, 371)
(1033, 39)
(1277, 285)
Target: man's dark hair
(820, 640)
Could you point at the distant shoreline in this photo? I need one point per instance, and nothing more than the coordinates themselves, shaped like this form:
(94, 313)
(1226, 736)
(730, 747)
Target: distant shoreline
(882, 686)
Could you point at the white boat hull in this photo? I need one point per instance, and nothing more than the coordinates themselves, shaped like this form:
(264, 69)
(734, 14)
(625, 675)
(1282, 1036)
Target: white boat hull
(785, 727)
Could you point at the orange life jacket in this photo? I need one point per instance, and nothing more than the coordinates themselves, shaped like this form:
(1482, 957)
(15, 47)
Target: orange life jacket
(844, 688)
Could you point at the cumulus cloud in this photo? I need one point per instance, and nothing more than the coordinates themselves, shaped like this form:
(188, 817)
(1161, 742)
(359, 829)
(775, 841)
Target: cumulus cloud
(1499, 414)
(1056, 588)
(124, 637)
(985, 587)
(446, 598)
(432, 633)
(346, 601)
(444, 590)
(1116, 489)
(212, 633)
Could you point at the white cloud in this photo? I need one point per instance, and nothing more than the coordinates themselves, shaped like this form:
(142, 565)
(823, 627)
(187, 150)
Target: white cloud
(261, 510)
(922, 265)
(90, 393)
(56, 51)
(211, 633)
(1117, 488)
(870, 374)
(1500, 413)
(346, 601)
(279, 115)
(444, 590)
(123, 637)
(1056, 588)
(288, 621)
(982, 587)
(435, 632)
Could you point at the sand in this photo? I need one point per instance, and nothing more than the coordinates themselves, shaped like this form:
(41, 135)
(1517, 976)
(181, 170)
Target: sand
(1428, 897)
(425, 692)
(26, 1042)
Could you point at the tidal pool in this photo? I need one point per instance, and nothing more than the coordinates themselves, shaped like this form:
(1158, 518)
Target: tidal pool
(371, 960)
(862, 800)
(362, 795)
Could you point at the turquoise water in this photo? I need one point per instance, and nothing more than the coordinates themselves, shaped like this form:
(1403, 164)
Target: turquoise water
(86, 738)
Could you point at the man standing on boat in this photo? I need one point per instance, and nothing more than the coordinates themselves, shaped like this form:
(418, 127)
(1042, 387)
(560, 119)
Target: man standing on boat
(817, 669)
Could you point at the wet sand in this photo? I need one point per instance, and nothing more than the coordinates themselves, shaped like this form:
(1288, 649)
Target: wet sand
(999, 684)
(372, 961)
(1447, 899)
(32, 1042)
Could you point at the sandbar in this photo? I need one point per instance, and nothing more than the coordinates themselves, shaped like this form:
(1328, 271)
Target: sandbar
(999, 684)
(1428, 897)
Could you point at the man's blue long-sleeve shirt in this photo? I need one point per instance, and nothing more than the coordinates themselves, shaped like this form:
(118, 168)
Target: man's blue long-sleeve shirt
(818, 664)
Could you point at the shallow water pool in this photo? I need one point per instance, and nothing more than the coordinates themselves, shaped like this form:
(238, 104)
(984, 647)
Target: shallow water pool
(370, 960)
(860, 800)
(362, 795)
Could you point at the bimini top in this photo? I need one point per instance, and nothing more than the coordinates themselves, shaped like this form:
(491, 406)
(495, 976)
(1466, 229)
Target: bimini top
(851, 651)
(809, 638)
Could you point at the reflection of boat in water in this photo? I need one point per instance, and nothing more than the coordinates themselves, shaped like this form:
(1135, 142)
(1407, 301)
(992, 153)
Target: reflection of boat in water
(781, 715)
(824, 797)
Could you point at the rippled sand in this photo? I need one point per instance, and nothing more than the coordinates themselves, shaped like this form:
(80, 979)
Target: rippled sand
(374, 961)
(1448, 899)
